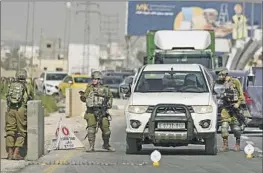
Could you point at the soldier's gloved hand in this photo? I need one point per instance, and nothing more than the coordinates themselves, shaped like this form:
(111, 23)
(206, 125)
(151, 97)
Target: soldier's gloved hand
(236, 105)
(109, 106)
(83, 98)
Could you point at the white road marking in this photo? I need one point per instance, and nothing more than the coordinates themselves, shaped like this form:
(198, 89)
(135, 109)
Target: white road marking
(258, 149)
(250, 142)
(244, 137)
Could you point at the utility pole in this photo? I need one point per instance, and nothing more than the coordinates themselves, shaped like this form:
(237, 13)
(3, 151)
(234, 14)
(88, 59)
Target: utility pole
(86, 41)
(109, 27)
(33, 38)
(40, 48)
(69, 32)
(27, 23)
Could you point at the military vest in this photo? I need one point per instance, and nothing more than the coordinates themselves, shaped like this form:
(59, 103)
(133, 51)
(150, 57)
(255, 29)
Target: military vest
(96, 97)
(230, 85)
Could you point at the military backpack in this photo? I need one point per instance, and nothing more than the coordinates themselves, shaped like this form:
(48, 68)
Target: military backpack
(15, 94)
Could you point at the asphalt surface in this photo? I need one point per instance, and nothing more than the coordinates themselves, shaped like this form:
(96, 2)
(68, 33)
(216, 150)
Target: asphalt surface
(189, 159)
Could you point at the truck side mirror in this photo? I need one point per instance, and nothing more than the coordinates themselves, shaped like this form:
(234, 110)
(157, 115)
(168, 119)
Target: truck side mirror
(251, 80)
(126, 89)
(220, 61)
(145, 60)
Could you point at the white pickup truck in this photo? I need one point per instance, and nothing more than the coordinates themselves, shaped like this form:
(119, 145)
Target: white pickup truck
(49, 81)
(171, 105)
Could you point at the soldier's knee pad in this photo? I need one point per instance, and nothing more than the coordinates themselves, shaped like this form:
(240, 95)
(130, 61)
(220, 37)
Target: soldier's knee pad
(237, 131)
(91, 130)
(224, 129)
(106, 133)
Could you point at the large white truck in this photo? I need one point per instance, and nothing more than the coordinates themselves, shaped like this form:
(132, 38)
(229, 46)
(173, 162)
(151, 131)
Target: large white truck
(182, 47)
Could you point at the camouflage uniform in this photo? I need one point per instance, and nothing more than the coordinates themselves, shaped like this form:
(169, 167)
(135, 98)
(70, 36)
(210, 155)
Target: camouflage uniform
(16, 118)
(92, 123)
(227, 119)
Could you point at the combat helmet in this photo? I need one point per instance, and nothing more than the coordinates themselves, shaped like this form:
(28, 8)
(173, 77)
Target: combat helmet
(96, 75)
(21, 75)
(221, 71)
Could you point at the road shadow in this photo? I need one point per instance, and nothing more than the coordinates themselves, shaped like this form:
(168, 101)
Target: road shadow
(173, 151)
(255, 135)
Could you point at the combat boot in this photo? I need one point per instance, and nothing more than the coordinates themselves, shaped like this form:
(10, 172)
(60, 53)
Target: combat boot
(91, 146)
(10, 152)
(107, 146)
(17, 155)
(237, 145)
(225, 145)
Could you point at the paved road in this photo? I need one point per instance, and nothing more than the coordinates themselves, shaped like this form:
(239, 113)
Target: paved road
(183, 160)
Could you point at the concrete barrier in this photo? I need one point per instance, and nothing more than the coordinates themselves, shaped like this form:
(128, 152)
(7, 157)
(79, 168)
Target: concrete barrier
(3, 143)
(35, 130)
(74, 107)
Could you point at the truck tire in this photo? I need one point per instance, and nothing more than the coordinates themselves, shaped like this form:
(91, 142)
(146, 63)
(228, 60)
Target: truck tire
(132, 145)
(211, 145)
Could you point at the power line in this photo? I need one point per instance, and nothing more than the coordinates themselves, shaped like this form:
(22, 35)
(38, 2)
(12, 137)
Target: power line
(86, 41)
(109, 27)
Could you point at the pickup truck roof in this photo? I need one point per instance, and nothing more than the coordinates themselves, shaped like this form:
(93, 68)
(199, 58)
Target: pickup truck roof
(175, 67)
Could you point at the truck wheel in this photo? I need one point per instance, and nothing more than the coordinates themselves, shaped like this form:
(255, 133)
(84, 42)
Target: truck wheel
(132, 146)
(211, 145)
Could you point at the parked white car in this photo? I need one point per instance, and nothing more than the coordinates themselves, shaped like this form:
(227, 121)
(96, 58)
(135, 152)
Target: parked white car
(49, 81)
(171, 105)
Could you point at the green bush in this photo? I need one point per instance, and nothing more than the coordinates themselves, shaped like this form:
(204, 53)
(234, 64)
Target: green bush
(49, 103)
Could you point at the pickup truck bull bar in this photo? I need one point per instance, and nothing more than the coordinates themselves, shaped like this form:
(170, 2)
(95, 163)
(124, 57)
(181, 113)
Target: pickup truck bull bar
(183, 109)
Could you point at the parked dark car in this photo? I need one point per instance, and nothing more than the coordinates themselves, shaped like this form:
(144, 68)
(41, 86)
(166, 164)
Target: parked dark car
(242, 76)
(127, 81)
(123, 75)
(113, 83)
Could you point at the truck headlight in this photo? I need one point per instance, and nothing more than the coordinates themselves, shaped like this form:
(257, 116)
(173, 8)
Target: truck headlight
(137, 109)
(48, 85)
(203, 109)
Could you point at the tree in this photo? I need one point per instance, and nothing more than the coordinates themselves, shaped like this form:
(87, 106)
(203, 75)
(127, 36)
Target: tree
(11, 62)
(140, 56)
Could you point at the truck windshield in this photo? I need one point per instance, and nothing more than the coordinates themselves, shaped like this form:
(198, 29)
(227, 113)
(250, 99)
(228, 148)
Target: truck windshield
(167, 81)
(204, 60)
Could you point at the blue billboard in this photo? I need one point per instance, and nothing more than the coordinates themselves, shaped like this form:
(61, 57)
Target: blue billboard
(228, 19)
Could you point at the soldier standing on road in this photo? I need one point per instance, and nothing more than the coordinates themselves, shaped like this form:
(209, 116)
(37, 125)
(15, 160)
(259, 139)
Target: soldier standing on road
(18, 94)
(227, 119)
(94, 96)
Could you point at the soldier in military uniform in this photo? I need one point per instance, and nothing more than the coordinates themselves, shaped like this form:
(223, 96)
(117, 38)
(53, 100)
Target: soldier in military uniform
(227, 119)
(93, 96)
(18, 93)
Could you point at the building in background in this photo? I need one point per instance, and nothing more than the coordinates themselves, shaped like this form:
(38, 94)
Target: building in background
(78, 63)
(51, 48)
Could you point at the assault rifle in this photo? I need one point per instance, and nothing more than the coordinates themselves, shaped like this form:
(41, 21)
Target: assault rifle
(100, 111)
(226, 98)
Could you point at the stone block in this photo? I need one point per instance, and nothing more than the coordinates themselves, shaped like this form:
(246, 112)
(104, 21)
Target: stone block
(35, 130)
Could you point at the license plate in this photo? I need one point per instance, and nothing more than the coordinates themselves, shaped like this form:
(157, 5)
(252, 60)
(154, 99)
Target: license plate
(113, 90)
(171, 125)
